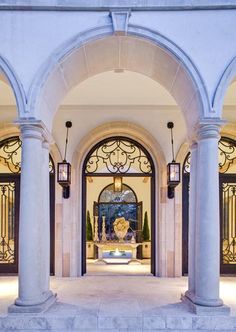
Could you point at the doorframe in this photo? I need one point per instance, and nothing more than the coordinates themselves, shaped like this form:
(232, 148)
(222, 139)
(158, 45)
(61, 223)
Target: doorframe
(153, 199)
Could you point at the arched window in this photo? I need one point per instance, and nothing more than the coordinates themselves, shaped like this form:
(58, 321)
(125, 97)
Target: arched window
(112, 205)
(10, 170)
(227, 181)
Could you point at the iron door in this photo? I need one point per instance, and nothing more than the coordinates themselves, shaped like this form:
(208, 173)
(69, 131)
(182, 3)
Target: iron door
(9, 222)
(228, 224)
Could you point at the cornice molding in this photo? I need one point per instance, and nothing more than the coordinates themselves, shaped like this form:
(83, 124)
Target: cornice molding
(115, 107)
(102, 5)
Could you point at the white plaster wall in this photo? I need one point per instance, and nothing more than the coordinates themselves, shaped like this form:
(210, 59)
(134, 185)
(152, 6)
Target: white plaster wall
(27, 38)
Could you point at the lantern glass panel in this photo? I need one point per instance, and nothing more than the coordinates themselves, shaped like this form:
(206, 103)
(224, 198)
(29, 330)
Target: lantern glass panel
(64, 173)
(174, 173)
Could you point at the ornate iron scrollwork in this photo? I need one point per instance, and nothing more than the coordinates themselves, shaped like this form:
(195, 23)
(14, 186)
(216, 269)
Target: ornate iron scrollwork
(118, 156)
(10, 154)
(227, 156)
(186, 166)
(229, 223)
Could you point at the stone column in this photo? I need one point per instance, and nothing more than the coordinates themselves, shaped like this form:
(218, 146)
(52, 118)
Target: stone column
(192, 221)
(45, 220)
(33, 296)
(207, 256)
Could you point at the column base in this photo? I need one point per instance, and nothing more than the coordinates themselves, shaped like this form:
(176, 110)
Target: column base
(204, 310)
(34, 308)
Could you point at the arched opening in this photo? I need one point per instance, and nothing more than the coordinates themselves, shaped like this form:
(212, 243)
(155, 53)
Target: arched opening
(127, 203)
(110, 56)
(227, 192)
(10, 174)
(100, 52)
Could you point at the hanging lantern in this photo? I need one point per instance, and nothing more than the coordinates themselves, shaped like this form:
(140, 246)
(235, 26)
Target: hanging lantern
(64, 173)
(64, 169)
(173, 169)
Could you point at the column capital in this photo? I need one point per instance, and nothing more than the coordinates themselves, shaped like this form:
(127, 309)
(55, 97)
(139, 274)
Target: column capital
(193, 145)
(209, 128)
(34, 128)
(46, 145)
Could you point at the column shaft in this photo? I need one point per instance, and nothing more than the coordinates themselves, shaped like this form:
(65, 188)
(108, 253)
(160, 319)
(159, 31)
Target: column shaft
(192, 221)
(207, 218)
(34, 294)
(45, 222)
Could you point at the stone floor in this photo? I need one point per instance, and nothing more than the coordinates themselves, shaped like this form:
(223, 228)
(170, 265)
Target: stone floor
(141, 269)
(116, 304)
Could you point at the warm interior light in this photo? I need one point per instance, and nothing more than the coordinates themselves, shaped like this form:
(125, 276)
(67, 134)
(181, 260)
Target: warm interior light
(117, 183)
(117, 252)
(173, 174)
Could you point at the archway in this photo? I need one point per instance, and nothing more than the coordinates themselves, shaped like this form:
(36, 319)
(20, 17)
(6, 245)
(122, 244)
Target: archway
(98, 50)
(130, 197)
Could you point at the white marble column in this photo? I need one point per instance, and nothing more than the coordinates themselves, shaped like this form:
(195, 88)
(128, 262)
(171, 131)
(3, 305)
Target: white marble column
(45, 220)
(204, 228)
(192, 221)
(207, 256)
(34, 295)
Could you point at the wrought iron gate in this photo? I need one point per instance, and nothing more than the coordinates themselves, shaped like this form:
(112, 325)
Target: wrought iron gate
(227, 192)
(10, 169)
(9, 216)
(228, 224)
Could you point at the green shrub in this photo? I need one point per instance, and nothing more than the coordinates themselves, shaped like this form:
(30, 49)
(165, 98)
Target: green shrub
(89, 230)
(146, 232)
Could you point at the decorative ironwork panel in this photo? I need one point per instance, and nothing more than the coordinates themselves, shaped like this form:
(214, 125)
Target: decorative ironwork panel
(108, 195)
(10, 155)
(186, 166)
(229, 223)
(118, 156)
(7, 223)
(51, 165)
(227, 157)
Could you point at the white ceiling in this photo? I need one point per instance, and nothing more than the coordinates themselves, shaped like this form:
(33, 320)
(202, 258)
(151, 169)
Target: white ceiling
(122, 88)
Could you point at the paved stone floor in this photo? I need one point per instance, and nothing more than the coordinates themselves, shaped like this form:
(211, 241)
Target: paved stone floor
(116, 304)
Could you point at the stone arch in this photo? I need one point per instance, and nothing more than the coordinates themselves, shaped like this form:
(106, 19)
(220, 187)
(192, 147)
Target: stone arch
(10, 76)
(98, 50)
(74, 207)
(226, 79)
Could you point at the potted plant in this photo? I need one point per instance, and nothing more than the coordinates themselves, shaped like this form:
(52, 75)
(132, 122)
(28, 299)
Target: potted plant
(146, 246)
(89, 237)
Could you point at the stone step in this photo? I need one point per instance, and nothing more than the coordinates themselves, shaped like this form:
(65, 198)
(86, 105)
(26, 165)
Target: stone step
(95, 323)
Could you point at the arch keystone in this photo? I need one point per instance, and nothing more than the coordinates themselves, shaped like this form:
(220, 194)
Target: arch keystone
(120, 21)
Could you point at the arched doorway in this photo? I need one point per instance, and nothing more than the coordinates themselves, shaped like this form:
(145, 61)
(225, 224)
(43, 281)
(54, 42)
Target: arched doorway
(227, 192)
(130, 168)
(10, 170)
